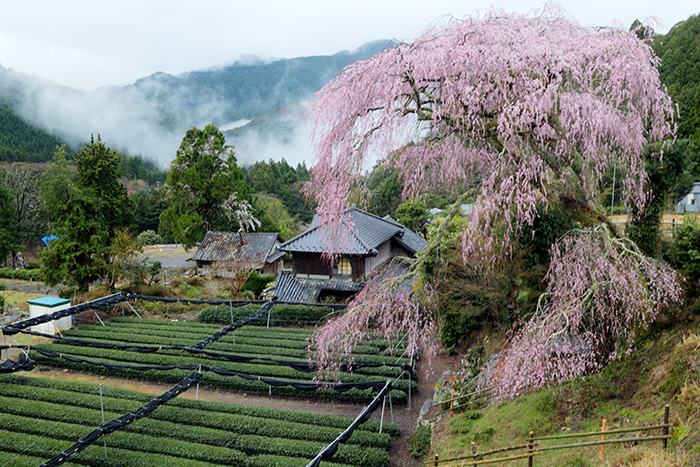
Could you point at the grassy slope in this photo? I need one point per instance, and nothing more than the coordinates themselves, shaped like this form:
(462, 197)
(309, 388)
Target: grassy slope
(663, 367)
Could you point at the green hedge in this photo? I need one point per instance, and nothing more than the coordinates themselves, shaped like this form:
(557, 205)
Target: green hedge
(213, 380)
(281, 315)
(168, 421)
(23, 274)
(30, 424)
(263, 369)
(46, 448)
(258, 412)
(231, 449)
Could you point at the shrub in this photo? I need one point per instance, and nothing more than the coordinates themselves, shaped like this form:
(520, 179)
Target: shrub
(420, 441)
(21, 274)
(257, 282)
(684, 252)
(195, 281)
(280, 314)
(154, 290)
(149, 237)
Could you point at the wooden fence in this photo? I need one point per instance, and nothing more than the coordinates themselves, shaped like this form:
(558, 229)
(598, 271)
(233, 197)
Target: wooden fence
(535, 446)
(666, 229)
(668, 225)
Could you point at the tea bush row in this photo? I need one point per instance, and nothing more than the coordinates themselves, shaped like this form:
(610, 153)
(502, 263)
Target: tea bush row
(281, 315)
(231, 383)
(258, 412)
(174, 417)
(262, 369)
(221, 447)
(280, 347)
(46, 448)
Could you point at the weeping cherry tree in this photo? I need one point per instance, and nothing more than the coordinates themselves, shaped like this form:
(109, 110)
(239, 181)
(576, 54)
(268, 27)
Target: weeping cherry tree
(521, 113)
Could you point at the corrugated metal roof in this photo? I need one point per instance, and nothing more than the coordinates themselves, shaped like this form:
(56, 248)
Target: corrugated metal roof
(227, 246)
(360, 234)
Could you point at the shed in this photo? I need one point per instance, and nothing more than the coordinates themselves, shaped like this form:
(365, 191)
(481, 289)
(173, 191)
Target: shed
(690, 201)
(46, 305)
(256, 251)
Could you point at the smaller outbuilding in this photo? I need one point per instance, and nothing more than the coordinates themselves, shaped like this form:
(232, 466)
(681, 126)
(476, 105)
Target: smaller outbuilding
(255, 251)
(47, 305)
(691, 200)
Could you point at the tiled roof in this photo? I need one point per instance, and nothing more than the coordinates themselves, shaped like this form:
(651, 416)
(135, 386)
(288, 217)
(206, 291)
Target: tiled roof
(289, 288)
(221, 246)
(360, 234)
(408, 238)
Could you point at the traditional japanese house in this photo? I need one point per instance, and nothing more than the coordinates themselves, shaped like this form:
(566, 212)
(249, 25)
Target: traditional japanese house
(362, 243)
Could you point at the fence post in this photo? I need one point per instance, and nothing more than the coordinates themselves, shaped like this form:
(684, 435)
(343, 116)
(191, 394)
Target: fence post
(602, 438)
(474, 450)
(666, 421)
(673, 228)
(102, 409)
(436, 460)
(530, 446)
(452, 401)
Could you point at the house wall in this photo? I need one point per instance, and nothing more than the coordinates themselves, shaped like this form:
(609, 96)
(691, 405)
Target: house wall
(398, 250)
(310, 264)
(371, 262)
(357, 263)
(689, 203)
(274, 268)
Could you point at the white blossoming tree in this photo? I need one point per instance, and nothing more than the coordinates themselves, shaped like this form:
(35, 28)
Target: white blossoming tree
(205, 188)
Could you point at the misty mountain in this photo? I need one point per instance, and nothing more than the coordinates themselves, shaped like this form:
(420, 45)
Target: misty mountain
(72, 115)
(278, 134)
(243, 90)
(150, 116)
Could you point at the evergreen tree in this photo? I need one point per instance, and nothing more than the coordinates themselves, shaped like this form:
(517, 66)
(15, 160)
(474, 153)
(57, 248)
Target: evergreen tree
(7, 243)
(83, 240)
(98, 171)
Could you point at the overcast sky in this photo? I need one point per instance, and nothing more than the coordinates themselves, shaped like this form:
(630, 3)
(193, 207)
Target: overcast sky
(91, 43)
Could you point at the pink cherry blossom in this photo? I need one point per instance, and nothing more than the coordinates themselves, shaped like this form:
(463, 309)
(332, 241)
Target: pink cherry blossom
(521, 112)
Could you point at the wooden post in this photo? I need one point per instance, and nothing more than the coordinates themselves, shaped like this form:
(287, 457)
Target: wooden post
(436, 460)
(530, 446)
(673, 228)
(602, 438)
(666, 422)
(452, 402)
(474, 450)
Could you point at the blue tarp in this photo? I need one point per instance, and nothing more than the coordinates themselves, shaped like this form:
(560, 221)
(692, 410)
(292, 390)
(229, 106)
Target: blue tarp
(48, 238)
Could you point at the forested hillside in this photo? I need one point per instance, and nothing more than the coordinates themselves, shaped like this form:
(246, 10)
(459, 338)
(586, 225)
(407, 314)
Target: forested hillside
(22, 142)
(679, 51)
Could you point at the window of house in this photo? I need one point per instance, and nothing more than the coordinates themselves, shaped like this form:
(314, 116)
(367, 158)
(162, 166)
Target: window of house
(343, 268)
